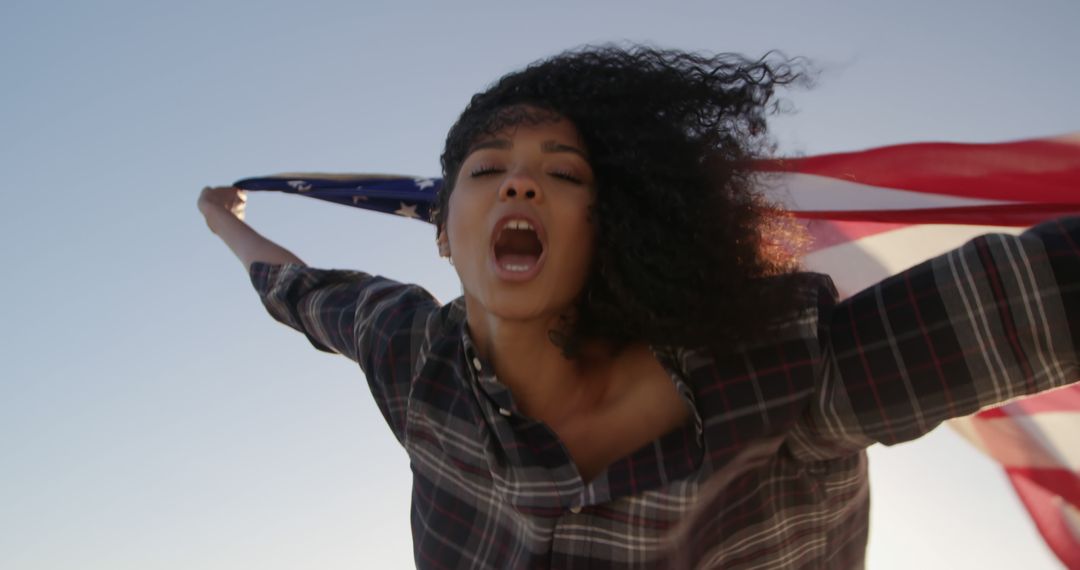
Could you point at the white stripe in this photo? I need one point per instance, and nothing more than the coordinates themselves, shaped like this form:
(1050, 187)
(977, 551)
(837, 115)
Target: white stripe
(810, 192)
(669, 500)
(1071, 516)
(586, 534)
(1032, 296)
(858, 264)
(980, 325)
(1041, 440)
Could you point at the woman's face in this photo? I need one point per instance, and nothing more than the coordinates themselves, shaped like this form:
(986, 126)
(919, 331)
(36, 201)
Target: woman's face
(518, 226)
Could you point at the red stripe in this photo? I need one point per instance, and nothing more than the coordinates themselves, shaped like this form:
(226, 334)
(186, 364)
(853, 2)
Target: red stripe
(1049, 519)
(1036, 171)
(1064, 483)
(1019, 215)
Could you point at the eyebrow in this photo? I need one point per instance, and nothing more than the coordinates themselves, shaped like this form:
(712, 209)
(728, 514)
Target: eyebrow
(546, 146)
(552, 146)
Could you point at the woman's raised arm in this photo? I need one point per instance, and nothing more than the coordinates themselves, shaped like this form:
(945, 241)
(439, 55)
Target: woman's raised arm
(995, 319)
(223, 208)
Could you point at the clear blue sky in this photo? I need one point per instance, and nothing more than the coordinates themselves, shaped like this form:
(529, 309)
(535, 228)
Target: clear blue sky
(153, 416)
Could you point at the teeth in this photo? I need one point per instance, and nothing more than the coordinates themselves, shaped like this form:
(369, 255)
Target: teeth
(519, 225)
(517, 268)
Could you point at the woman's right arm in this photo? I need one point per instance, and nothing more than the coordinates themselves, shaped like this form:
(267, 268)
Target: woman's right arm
(372, 320)
(223, 208)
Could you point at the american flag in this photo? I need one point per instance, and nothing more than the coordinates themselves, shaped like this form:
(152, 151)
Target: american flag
(870, 214)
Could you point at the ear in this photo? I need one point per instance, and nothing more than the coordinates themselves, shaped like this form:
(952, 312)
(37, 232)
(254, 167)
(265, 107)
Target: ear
(444, 243)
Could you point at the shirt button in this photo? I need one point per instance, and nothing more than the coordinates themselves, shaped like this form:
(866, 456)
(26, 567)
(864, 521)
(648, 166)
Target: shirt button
(575, 509)
(505, 412)
(476, 363)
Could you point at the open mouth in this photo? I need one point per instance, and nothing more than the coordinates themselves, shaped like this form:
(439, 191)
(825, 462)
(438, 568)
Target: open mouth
(518, 247)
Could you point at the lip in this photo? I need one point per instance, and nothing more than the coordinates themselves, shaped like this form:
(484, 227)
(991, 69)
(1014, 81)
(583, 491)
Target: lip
(541, 233)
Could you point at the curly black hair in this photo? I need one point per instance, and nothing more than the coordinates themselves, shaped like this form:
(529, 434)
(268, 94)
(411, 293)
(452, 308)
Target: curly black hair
(688, 253)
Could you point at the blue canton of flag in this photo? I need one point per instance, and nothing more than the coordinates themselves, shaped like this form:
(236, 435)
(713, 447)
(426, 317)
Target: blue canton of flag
(405, 196)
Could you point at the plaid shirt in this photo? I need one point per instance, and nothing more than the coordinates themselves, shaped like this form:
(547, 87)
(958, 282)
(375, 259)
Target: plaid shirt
(770, 472)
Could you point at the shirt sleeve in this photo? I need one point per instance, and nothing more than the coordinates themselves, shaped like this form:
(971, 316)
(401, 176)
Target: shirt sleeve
(994, 319)
(374, 321)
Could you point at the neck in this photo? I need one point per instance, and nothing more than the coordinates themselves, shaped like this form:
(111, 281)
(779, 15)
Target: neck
(546, 385)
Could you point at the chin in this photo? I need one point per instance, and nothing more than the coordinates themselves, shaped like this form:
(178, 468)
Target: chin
(522, 306)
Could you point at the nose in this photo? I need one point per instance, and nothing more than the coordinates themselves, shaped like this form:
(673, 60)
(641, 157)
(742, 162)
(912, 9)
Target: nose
(520, 186)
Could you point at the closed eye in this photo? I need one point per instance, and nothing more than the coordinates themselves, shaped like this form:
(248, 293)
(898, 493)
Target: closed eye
(484, 170)
(566, 176)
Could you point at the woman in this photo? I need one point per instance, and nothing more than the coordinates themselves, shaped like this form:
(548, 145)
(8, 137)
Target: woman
(627, 334)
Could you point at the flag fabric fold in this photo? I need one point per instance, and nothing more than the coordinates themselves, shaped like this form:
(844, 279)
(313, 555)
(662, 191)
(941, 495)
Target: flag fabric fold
(870, 214)
(408, 196)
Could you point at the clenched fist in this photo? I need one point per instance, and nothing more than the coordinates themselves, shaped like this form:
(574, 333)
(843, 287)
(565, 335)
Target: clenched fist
(229, 198)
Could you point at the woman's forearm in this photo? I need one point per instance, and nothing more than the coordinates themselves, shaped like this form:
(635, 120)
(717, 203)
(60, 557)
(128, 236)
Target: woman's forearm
(245, 242)
(223, 212)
